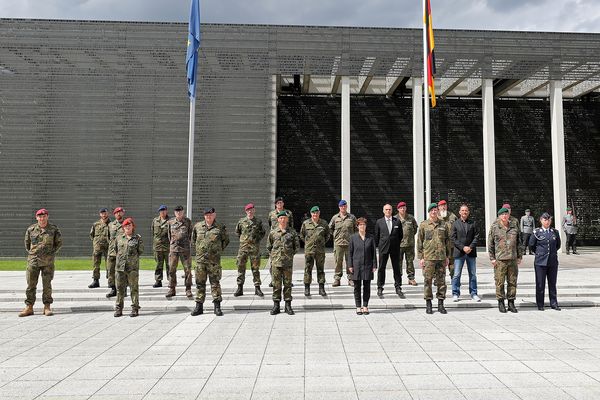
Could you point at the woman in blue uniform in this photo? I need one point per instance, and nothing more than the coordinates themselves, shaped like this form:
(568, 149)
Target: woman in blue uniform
(545, 243)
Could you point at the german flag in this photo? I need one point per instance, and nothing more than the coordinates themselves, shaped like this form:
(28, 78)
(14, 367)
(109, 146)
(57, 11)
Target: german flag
(430, 52)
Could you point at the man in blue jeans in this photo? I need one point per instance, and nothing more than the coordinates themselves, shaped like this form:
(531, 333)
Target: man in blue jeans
(464, 236)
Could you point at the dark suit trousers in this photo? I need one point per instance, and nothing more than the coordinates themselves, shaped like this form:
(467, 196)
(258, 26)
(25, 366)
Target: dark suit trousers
(541, 274)
(383, 259)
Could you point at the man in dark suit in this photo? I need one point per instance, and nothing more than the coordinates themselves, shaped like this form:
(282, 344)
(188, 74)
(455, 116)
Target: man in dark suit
(545, 243)
(464, 238)
(388, 235)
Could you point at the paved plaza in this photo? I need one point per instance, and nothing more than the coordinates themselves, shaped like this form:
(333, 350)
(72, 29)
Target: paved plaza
(325, 351)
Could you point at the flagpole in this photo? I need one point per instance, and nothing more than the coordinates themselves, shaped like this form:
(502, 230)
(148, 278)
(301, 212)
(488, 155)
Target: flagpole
(190, 178)
(426, 113)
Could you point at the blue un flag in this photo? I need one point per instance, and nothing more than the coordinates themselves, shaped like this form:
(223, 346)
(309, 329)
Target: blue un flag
(193, 44)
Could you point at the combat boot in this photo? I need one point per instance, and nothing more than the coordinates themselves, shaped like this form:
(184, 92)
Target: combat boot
(27, 311)
(95, 283)
(48, 311)
(336, 282)
(199, 309)
(157, 284)
(218, 311)
(112, 293)
(118, 312)
(170, 293)
(188, 292)
(134, 313)
(275, 310)
(322, 290)
(307, 289)
(239, 292)
(441, 308)
(575, 250)
(258, 292)
(288, 307)
(501, 306)
(511, 306)
(428, 307)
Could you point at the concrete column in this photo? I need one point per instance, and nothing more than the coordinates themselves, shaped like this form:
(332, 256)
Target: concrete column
(346, 140)
(418, 177)
(559, 176)
(274, 82)
(489, 153)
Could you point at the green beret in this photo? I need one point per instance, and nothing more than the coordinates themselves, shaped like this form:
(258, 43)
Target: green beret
(432, 205)
(569, 209)
(281, 214)
(503, 210)
(314, 209)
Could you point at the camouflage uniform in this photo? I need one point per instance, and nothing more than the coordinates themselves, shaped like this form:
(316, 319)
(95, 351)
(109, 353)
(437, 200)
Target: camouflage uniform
(99, 237)
(180, 235)
(341, 229)
(210, 242)
(41, 244)
(128, 252)
(449, 220)
(115, 228)
(314, 235)
(273, 223)
(160, 246)
(250, 232)
(282, 245)
(504, 246)
(407, 246)
(434, 246)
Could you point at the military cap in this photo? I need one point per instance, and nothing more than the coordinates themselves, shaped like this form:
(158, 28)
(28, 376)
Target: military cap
(527, 210)
(281, 214)
(118, 209)
(441, 202)
(178, 208)
(401, 204)
(162, 207)
(546, 216)
(314, 209)
(248, 206)
(128, 221)
(431, 206)
(342, 203)
(503, 210)
(209, 210)
(278, 199)
(569, 209)
(41, 211)
(506, 205)
(103, 209)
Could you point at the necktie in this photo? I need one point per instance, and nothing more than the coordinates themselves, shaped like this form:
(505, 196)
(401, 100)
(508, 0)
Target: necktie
(389, 225)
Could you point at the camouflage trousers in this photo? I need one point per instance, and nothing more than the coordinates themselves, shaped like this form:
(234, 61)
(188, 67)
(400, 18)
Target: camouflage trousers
(186, 261)
(408, 254)
(128, 278)
(310, 260)
(508, 271)
(97, 256)
(242, 259)
(111, 264)
(162, 263)
(33, 274)
(282, 276)
(213, 271)
(340, 253)
(437, 270)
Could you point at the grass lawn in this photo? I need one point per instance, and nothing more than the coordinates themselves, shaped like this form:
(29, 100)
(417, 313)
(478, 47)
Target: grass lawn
(85, 264)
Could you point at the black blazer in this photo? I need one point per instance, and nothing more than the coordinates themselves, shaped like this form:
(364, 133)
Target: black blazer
(386, 242)
(464, 234)
(362, 257)
(545, 245)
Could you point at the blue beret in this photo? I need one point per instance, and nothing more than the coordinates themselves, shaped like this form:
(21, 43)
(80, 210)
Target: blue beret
(342, 203)
(162, 207)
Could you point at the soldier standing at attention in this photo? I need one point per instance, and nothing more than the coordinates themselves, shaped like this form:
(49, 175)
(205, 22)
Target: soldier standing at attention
(545, 243)
(129, 248)
(527, 226)
(506, 252)
(273, 224)
(210, 239)
(160, 244)
(407, 245)
(114, 229)
(250, 230)
(448, 217)
(342, 226)
(42, 242)
(569, 225)
(180, 235)
(99, 237)
(282, 244)
(433, 250)
(314, 233)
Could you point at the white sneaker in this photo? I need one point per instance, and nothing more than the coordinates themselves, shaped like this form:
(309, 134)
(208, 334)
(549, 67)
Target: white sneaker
(455, 298)
(476, 298)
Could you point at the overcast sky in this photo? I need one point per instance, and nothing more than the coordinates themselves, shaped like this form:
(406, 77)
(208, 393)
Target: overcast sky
(530, 15)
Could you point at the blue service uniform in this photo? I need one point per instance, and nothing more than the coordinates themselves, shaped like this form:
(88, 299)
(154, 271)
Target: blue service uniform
(545, 243)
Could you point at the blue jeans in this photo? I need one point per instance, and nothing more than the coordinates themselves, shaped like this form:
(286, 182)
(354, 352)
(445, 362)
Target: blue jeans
(458, 266)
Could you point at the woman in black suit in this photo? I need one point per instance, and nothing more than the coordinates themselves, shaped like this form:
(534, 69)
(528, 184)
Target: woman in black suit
(362, 261)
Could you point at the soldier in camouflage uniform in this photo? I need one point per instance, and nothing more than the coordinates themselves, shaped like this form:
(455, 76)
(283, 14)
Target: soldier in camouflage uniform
(342, 226)
(42, 242)
(282, 244)
(273, 224)
(433, 250)
(210, 239)
(180, 235)
(513, 220)
(114, 230)
(407, 245)
(448, 217)
(506, 252)
(129, 247)
(160, 244)
(250, 230)
(314, 233)
(99, 237)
